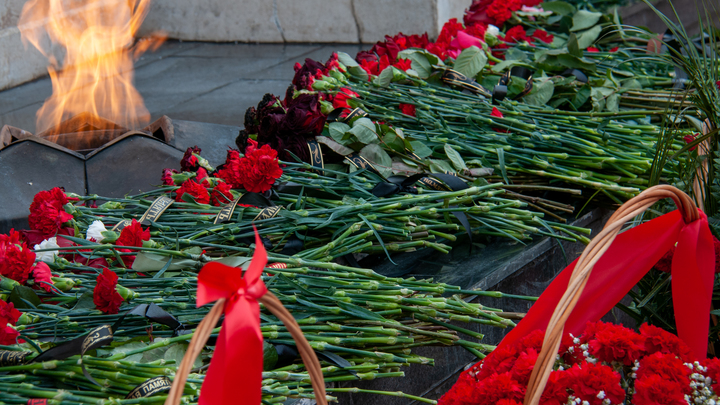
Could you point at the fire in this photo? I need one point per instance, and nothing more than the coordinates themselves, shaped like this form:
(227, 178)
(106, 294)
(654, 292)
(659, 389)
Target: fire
(95, 73)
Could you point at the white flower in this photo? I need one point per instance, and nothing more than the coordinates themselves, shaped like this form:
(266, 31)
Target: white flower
(95, 231)
(492, 30)
(48, 256)
(601, 395)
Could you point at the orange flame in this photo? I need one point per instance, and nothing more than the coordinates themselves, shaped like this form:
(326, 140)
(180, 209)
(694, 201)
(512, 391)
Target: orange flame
(96, 72)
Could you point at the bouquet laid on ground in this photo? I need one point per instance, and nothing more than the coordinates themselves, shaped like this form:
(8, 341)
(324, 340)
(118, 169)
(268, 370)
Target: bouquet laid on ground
(606, 364)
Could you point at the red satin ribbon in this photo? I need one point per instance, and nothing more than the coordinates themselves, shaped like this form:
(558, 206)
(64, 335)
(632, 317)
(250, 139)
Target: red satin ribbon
(235, 373)
(632, 254)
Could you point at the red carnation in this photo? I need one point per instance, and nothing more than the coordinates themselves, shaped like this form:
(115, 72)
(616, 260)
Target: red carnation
(501, 360)
(16, 259)
(105, 296)
(8, 315)
(524, 366)
(403, 64)
(617, 343)
(615, 49)
(496, 113)
(47, 213)
(42, 276)
(659, 340)
(132, 235)
(667, 366)
(655, 390)
(542, 35)
(555, 392)
(342, 96)
(198, 192)
(689, 138)
(498, 387)
(221, 194)
(463, 392)
(189, 162)
(450, 30)
(260, 168)
(516, 34)
(592, 49)
(501, 10)
(588, 380)
(230, 172)
(167, 177)
(408, 109)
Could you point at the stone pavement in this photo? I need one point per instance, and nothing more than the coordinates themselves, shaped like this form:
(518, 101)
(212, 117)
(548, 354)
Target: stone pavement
(195, 81)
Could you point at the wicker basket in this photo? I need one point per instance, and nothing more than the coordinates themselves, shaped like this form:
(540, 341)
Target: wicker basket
(202, 333)
(581, 273)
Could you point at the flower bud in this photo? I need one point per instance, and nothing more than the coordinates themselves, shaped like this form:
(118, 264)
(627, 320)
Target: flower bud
(64, 284)
(126, 293)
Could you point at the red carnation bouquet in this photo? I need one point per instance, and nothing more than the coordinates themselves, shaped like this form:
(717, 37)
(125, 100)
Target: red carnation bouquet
(606, 364)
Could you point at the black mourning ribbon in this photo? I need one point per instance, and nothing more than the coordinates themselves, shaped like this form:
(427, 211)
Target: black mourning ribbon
(579, 75)
(398, 184)
(103, 335)
(456, 79)
(501, 89)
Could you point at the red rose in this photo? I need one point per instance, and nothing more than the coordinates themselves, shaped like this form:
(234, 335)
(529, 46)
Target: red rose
(260, 168)
(408, 109)
(658, 340)
(105, 296)
(477, 30)
(655, 390)
(477, 13)
(501, 10)
(221, 195)
(47, 213)
(449, 30)
(189, 162)
(167, 179)
(668, 367)
(230, 171)
(542, 35)
(689, 138)
(42, 276)
(16, 259)
(516, 34)
(198, 192)
(587, 380)
(617, 343)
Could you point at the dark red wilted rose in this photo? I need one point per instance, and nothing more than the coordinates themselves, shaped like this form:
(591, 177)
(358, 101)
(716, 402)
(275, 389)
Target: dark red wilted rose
(304, 71)
(105, 295)
(167, 177)
(260, 169)
(16, 259)
(189, 162)
(8, 315)
(408, 109)
(221, 194)
(47, 213)
(42, 276)
(477, 13)
(198, 192)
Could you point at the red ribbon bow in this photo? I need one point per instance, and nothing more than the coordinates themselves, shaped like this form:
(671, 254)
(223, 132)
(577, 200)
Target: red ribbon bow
(235, 373)
(632, 254)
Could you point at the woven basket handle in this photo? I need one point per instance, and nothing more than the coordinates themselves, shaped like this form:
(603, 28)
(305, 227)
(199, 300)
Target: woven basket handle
(581, 273)
(203, 331)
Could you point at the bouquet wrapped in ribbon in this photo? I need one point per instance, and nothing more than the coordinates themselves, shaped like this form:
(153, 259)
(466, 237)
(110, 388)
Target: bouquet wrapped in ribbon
(597, 363)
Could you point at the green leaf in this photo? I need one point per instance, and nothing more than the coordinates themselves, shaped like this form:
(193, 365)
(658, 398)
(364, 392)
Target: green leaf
(613, 102)
(470, 61)
(394, 141)
(176, 352)
(581, 96)
(573, 47)
(541, 93)
(558, 7)
(515, 54)
(504, 65)
(379, 158)
(337, 132)
(385, 77)
(129, 346)
(346, 59)
(419, 62)
(364, 130)
(24, 297)
(455, 158)
(358, 311)
(570, 61)
(631, 84)
(352, 66)
(85, 301)
(501, 163)
(440, 166)
(270, 356)
(420, 149)
(335, 146)
(589, 37)
(584, 19)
